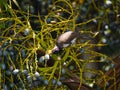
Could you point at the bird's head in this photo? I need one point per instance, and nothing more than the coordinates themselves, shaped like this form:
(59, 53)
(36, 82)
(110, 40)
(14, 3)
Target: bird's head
(55, 49)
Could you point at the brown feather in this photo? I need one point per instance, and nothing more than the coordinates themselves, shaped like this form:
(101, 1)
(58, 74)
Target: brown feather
(66, 38)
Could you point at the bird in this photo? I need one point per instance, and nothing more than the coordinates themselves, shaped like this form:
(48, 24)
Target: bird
(65, 40)
(72, 37)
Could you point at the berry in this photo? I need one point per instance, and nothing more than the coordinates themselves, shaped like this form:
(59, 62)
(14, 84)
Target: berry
(11, 68)
(16, 71)
(37, 74)
(47, 56)
(12, 85)
(106, 26)
(27, 31)
(39, 0)
(25, 72)
(48, 20)
(108, 2)
(104, 40)
(20, 88)
(62, 78)
(82, 50)
(71, 67)
(41, 59)
(101, 13)
(107, 32)
(29, 79)
(54, 81)
(3, 66)
(107, 68)
(63, 71)
(59, 83)
(8, 72)
(5, 53)
(112, 65)
(5, 87)
(46, 82)
(32, 10)
(23, 53)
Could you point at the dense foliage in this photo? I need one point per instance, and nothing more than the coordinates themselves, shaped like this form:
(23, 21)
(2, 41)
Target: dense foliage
(28, 32)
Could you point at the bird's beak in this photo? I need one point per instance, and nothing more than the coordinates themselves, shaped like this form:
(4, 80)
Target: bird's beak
(55, 49)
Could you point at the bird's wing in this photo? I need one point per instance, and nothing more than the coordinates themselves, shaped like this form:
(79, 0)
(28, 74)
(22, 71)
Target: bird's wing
(67, 37)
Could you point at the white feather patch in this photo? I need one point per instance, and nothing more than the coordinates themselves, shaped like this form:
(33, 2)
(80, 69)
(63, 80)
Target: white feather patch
(73, 41)
(66, 45)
